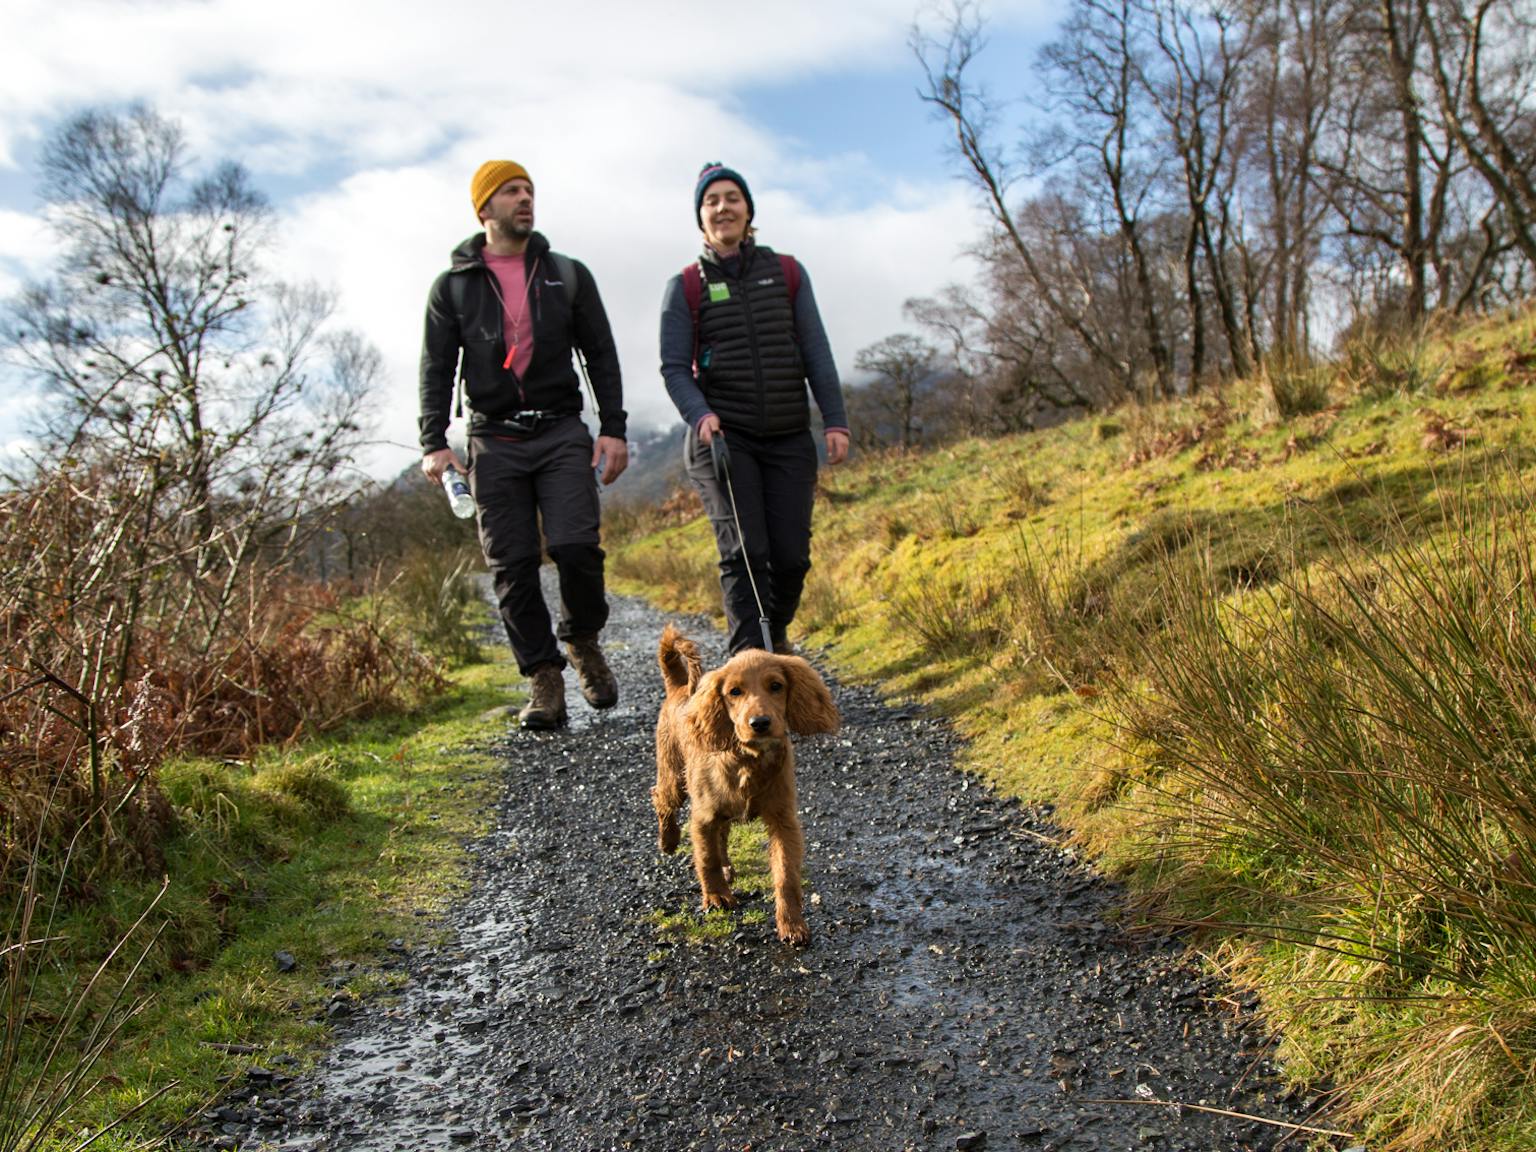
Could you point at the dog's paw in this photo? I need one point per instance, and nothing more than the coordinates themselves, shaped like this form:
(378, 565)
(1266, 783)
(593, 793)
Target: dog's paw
(719, 900)
(795, 932)
(668, 838)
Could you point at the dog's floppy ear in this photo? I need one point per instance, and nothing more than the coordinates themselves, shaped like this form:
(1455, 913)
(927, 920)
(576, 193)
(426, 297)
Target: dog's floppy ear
(810, 708)
(708, 721)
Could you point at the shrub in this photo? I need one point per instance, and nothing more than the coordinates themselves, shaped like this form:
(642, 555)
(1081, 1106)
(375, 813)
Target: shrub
(439, 598)
(1378, 364)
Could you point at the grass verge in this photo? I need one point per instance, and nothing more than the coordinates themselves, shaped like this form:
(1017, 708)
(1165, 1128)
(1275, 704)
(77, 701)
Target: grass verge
(291, 879)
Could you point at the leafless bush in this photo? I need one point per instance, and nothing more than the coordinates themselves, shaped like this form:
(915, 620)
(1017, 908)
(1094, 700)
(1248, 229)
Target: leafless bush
(199, 431)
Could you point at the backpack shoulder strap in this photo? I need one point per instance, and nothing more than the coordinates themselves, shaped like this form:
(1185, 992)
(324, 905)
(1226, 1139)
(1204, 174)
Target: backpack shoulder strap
(456, 294)
(791, 268)
(693, 290)
(693, 293)
(458, 288)
(566, 268)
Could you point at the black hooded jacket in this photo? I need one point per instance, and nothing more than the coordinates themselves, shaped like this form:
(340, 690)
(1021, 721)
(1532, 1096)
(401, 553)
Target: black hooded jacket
(464, 313)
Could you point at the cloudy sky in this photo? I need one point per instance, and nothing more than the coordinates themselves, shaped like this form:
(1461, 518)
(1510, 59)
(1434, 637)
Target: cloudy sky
(363, 123)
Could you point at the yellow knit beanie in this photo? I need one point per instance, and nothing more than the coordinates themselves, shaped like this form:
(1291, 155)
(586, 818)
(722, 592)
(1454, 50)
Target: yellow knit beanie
(492, 175)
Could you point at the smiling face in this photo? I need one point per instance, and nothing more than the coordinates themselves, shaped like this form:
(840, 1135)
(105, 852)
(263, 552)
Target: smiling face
(724, 215)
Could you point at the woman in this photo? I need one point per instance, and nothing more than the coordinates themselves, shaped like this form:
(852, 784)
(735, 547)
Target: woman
(740, 339)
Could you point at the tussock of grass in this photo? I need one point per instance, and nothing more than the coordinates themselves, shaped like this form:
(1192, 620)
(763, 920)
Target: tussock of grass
(1269, 652)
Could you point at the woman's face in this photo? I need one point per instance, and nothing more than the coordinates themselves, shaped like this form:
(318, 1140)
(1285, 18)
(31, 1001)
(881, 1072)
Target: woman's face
(723, 212)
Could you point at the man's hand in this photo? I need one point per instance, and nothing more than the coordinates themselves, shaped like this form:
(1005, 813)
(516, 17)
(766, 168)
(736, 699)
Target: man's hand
(611, 454)
(434, 464)
(708, 426)
(837, 446)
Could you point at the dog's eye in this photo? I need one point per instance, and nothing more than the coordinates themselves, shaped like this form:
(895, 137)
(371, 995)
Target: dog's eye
(776, 686)
(733, 690)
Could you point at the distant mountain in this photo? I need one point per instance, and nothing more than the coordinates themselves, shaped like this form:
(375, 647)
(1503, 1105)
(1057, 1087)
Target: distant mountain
(655, 466)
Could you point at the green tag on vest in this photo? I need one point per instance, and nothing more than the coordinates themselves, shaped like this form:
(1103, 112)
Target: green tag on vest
(718, 291)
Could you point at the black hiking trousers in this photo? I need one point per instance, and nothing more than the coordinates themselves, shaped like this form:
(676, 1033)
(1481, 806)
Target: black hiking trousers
(518, 485)
(774, 481)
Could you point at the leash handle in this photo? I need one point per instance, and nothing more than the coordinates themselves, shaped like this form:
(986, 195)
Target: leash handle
(720, 457)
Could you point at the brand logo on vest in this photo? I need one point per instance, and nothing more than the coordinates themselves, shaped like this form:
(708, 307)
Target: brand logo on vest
(718, 291)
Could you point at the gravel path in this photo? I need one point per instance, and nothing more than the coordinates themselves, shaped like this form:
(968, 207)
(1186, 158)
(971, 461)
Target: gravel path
(967, 986)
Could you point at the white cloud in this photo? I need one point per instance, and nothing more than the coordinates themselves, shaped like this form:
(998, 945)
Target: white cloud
(379, 113)
(24, 247)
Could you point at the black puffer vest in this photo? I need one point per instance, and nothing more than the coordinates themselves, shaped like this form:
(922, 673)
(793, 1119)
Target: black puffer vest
(749, 362)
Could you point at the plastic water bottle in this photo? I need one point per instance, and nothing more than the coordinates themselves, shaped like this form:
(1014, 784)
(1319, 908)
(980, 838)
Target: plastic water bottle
(459, 499)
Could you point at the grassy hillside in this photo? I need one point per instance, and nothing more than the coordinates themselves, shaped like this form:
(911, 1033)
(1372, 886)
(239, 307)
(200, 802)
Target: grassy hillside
(1270, 653)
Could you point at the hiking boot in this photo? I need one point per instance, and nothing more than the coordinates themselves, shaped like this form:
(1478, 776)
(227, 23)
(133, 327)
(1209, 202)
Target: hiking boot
(596, 678)
(782, 646)
(546, 699)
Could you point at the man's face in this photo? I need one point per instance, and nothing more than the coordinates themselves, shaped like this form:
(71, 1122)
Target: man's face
(724, 214)
(509, 211)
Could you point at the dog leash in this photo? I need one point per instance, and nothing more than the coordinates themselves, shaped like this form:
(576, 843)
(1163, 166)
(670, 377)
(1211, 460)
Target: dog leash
(720, 457)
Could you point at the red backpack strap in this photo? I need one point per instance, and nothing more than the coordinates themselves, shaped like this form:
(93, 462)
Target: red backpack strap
(693, 292)
(791, 268)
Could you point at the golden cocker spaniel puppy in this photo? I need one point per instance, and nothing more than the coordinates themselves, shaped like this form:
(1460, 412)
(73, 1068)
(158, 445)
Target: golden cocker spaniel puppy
(722, 742)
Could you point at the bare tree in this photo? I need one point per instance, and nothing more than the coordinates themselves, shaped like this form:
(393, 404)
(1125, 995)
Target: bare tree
(1211, 178)
(904, 372)
(1197, 91)
(1094, 70)
(1294, 65)
(1391, 161)
(949, 89)
(1484, 78)
(213, 408)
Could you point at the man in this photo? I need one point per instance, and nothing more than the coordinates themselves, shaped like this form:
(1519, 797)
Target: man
(508, 313)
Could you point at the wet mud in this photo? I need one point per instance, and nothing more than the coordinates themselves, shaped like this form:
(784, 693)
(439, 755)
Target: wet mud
(969, 985)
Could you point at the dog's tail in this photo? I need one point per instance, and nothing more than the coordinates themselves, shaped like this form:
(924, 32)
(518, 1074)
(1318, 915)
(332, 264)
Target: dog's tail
(679, 660)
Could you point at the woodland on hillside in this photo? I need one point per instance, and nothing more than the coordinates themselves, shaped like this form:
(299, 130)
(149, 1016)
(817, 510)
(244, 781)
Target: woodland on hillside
(1184, 192)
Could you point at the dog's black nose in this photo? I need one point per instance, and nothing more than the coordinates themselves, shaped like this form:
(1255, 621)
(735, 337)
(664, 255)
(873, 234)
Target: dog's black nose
(761, 723)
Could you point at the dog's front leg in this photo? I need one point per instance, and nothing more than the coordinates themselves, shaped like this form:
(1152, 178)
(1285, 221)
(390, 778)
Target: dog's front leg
(667, 795)
(786, 850)
(710, 836)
